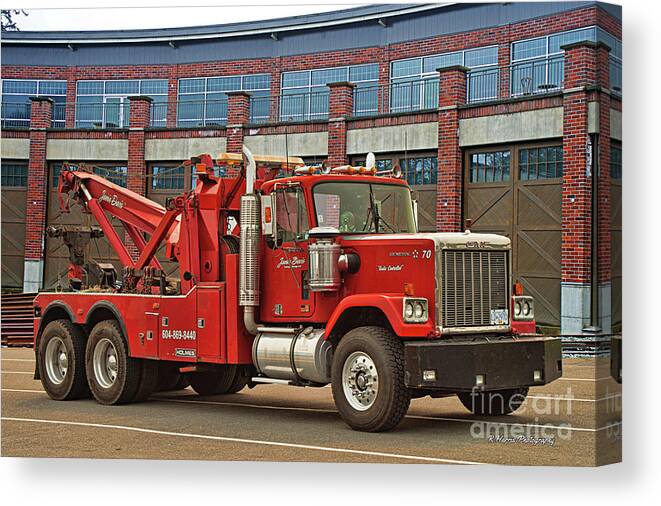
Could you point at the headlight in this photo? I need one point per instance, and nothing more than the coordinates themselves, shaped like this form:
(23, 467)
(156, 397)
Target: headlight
(415, 310)
(524, 308)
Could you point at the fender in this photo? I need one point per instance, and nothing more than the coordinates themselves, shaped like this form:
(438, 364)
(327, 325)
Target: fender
(104, 304)
(56, 304)
(391, 305)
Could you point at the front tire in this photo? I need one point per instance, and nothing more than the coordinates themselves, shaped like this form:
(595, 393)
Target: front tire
(368, 379)
(497, 402)
(61, 361)
(113, 376)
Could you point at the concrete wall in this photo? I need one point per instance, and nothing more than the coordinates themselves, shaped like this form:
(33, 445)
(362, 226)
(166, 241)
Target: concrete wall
(299, 144)
(515, 127)
(87, 149)
(390, 139)
(15, 149)
(182, 149)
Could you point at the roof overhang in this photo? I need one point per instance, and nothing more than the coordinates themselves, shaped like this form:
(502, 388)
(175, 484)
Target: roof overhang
(242, 30)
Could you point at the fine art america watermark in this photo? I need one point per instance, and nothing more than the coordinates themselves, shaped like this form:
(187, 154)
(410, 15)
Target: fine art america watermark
(534, 431)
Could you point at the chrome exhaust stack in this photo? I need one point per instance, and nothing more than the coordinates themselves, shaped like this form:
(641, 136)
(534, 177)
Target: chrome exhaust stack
(249, 252)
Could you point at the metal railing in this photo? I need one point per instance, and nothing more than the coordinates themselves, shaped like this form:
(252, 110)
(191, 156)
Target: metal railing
(397, 97)
(525, 78)
(288, 107)
(102, 115)
(15, 115)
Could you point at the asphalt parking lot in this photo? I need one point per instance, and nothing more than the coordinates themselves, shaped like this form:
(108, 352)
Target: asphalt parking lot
(573, 421)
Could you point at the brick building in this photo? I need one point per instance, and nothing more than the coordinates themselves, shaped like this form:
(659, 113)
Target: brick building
(507, 114)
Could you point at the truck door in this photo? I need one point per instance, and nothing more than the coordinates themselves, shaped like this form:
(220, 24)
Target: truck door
(285, 290)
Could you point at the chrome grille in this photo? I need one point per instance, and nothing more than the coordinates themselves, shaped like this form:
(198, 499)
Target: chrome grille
(473, 283)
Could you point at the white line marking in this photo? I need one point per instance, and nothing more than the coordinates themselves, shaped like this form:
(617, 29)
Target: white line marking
(18, 359)
(321, 410)
(17, 372)
(242, 440)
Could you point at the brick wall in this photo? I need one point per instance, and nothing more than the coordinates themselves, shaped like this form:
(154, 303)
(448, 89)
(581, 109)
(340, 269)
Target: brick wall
(582, 75)
(37, 191)
(452, 89)
(340, 107)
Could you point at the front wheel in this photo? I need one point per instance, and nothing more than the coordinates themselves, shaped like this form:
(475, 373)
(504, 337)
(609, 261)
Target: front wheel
(368, 379)
(497, 402)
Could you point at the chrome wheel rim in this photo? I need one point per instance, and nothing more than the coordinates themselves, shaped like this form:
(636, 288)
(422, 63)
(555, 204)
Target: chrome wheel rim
(57, 360)
(105, 363)
(360, 381)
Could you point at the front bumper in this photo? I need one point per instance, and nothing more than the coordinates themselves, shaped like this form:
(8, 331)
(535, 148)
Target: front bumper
(502, 362)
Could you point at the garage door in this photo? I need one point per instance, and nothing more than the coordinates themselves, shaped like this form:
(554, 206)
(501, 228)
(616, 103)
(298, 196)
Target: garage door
(57, 254)
(517, 191)
(14, 178)
(616, 237)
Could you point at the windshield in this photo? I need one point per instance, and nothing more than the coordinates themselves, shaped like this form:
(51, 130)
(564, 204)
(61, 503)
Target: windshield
(364, 207)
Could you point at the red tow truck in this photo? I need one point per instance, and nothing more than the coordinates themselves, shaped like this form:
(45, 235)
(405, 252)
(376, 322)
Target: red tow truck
(313, 277)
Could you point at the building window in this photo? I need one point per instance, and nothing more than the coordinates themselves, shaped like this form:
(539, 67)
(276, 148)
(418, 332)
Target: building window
(616, 162)
(16, 104)
(305, 95)
(414, 81)
(490, 167)
(203, 100)
(420, 170)
(538, 64)
(540, 163)
(114, 173)
(381, 165)
(105, 104)
(167, 178)
(14, 175)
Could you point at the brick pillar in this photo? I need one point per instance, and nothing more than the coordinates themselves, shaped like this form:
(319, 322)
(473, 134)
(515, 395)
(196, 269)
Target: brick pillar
(504, 75)
(136, 178)
(604, 188)
(70, 107)
(238, 114)
(581, 129)
(173, 84)
(340, 107)
(37, 192)
(452, 94)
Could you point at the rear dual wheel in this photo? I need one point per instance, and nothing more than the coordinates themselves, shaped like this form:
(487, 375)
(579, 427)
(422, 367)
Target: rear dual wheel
(114, 377)
(61, 361)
